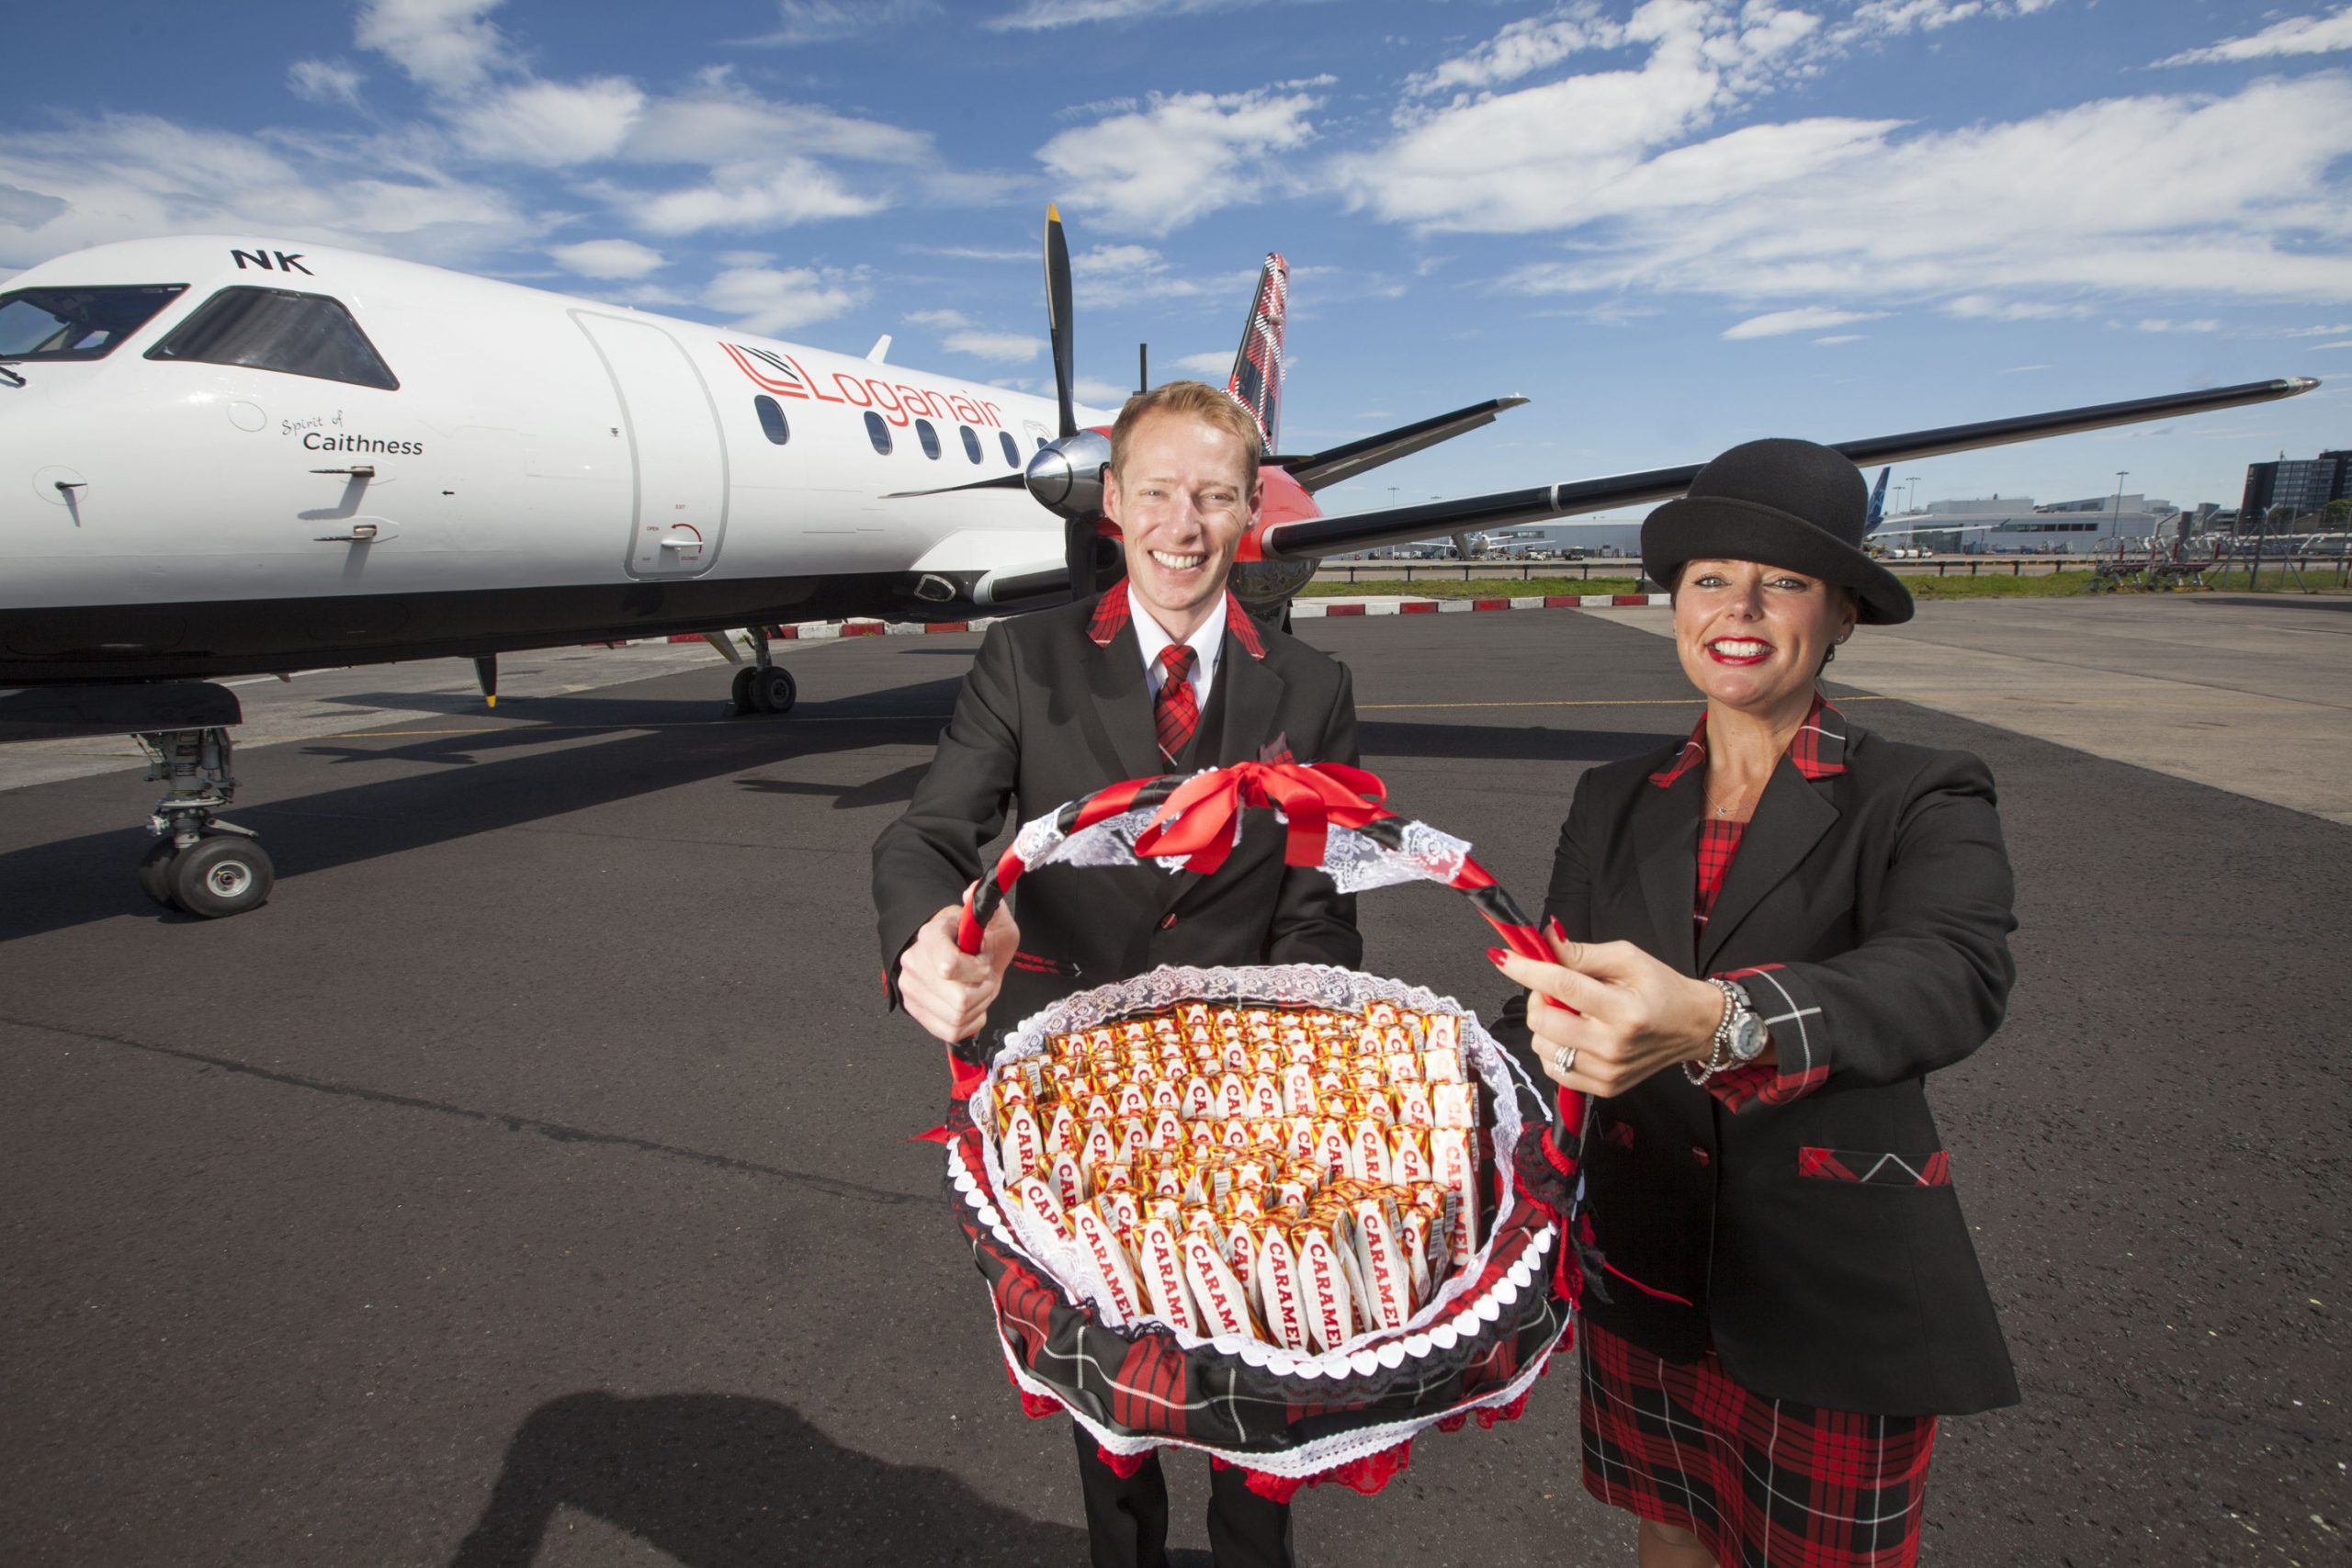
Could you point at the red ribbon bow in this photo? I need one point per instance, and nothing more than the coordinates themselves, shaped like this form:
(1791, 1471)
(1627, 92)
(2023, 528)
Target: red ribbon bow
(1202, 820)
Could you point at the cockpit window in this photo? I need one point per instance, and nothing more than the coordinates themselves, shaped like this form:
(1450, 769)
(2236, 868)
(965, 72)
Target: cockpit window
(77, 324)
(276, 328)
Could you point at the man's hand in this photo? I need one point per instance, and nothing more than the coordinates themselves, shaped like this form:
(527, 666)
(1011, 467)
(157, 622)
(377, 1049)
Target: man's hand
(949, 991)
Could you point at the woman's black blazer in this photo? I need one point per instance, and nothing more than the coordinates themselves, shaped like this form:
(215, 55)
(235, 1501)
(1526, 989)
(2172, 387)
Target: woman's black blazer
(1816, 1242)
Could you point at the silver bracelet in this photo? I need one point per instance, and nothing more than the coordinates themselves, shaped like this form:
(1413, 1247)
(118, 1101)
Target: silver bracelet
(1719, 1054)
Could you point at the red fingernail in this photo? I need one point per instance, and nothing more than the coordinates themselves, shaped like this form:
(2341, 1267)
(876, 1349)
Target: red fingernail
(1495, 956)
(1559, 933)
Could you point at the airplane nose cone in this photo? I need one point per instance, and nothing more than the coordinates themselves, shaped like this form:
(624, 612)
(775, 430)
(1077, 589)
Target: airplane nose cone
(1065, 476)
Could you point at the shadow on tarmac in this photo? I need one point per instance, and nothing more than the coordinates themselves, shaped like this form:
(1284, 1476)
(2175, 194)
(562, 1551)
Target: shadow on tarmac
(725, 1481)
(475, 789)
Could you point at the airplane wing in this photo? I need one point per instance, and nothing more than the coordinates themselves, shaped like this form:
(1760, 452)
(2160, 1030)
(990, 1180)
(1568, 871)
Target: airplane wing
(1315, 470)
(1314, 536)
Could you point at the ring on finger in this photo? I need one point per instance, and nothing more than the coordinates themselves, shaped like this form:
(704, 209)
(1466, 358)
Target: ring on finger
(1564, 1061)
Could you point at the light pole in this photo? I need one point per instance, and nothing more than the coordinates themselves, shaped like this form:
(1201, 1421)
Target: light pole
(2119, 501)
(1911, 501)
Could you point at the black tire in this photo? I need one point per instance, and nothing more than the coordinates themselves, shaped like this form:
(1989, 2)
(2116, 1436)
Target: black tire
(743, 703)
(155, 871)
(224, 875)
(774, 689)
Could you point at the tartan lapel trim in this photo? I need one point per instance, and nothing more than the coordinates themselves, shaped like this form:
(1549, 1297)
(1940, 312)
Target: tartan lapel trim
(1113, 612)
(1818, 750)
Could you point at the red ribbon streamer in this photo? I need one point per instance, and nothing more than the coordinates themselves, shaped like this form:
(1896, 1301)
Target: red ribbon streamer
(1202, 820)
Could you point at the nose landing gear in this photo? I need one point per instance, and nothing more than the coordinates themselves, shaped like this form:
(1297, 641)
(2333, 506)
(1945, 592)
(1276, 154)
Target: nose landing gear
(199, 863)
(763, 685)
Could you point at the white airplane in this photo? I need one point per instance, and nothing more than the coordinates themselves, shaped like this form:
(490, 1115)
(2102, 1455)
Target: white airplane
(242, 456)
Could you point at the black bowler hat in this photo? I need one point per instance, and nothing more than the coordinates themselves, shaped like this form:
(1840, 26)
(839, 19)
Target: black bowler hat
(1788, 503)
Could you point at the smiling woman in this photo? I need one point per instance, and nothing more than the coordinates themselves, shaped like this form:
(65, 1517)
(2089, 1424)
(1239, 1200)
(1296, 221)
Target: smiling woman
(1805, 920)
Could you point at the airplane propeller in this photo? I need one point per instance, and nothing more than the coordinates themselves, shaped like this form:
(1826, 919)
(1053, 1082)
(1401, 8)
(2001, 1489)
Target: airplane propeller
(1065, 476)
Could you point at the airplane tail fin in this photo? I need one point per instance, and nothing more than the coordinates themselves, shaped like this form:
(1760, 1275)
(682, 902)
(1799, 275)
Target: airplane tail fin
(1257, 380)
(1877, 513)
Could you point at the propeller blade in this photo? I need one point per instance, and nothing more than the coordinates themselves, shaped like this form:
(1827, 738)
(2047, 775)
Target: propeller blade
(1058, 313)
(1002, 481)
(1314, 536)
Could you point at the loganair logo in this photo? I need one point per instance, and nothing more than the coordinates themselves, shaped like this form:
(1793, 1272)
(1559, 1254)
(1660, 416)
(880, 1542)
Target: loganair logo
(894, 401)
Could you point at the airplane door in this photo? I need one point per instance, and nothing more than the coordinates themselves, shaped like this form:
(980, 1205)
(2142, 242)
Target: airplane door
(675, 442)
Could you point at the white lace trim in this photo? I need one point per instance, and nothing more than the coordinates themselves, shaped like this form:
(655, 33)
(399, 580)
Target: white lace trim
(1357, 864)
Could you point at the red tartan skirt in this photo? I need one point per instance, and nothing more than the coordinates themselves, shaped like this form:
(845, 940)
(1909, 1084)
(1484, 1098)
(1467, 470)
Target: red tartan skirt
(1762, 1482)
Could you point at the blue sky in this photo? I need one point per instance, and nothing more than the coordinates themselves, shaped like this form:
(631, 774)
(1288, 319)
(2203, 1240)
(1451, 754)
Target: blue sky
(1675, 224)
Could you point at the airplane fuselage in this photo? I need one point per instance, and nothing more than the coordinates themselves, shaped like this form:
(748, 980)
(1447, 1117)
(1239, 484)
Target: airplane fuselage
(516, 467)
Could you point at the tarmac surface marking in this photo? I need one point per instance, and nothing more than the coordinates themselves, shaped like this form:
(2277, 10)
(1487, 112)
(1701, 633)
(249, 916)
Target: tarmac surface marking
(528, 1182)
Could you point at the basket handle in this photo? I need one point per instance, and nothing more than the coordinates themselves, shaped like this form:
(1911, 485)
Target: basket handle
(1199, 818)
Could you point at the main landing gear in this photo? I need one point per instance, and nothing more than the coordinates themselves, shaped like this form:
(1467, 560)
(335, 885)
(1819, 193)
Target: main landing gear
(199, 863)
(763, 685)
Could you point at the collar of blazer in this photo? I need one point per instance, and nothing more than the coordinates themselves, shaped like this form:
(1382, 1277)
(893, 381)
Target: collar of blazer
(1791, 816)
(1118, 719)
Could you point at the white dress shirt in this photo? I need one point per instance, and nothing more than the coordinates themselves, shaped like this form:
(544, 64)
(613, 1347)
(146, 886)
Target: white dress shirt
(1206, 641)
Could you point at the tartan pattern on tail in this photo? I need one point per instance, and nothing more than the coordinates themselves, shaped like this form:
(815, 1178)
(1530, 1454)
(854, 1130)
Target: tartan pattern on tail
(1762, 1482)
(1257, 380)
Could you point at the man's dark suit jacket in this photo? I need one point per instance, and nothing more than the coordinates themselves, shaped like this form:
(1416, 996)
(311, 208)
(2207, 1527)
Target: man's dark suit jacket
(1056, 707)
(1876, 903)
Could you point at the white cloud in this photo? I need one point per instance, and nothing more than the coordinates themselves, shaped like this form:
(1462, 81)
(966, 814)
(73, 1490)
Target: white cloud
(2295, 35)
(1210, 363)
(133, 177)
(717, 120)
(1038, 15)
(2023, 369)
(769, 300)
(2187, 195)
(943, 319)
(1521, 49)
(548, 124)
(1004, 348)
(1809, 319)
(608, 258)
(1121, 275)
(1984, 308)
(324, 82)
(1100, 394)
(829, 21)
(2165, 324)
(750, 196)
(1183, 157)
(446, 46)
(1841, 337)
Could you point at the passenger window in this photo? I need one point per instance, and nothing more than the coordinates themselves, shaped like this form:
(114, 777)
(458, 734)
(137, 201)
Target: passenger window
(276, 328)
(878, 430)
(1012, 449)
(772, 420)
(971, 443)
(929, 437)
(77, 324)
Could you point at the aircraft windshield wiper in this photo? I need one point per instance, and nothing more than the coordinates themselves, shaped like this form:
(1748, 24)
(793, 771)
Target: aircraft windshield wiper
(13, 379)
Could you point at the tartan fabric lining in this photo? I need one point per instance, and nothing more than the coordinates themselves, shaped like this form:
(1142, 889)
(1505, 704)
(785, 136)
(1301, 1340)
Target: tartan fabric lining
(1762, 1482)
(1718, 842)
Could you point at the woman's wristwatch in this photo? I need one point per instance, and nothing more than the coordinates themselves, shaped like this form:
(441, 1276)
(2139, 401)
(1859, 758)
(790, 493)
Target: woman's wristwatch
(1738, 1040)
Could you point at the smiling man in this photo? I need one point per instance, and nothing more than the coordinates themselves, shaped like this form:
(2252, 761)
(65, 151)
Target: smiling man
(1165, 672)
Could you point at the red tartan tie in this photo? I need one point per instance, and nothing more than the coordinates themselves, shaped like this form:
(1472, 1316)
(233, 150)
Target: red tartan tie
(1177, 713)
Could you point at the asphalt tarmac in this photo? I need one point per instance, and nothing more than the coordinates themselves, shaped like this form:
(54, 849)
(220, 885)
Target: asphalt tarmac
(530, 1181)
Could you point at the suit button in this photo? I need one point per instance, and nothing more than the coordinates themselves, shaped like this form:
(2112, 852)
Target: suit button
(1168, 919)
(1699, 1153)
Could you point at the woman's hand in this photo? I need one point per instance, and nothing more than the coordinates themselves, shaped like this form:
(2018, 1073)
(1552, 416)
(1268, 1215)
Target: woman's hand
(1633, 1016)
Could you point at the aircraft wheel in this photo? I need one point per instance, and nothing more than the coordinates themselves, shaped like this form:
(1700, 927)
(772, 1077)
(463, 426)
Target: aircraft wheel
(226, 874)
(743, 678)
(772, 689)
(155, 871)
